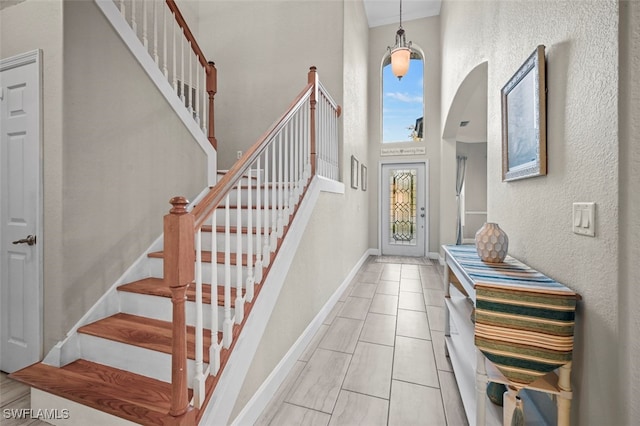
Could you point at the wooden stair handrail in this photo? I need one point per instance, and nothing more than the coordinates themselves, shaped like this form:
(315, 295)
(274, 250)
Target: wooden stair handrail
(209, 67)
(216, 195)
(180, 226)
(187, 32)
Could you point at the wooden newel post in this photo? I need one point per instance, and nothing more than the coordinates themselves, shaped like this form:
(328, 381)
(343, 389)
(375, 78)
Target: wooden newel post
(313, 79)
(212, 89)
(179, 258)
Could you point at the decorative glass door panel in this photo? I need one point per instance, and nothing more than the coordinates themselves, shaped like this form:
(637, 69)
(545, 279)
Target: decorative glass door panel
(402, 206)
(403, 209)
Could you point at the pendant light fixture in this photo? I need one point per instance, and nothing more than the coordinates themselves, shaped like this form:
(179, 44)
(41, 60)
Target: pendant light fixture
(401, 52)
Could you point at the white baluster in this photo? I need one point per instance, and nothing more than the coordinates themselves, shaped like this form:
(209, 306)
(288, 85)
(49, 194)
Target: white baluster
(239, 305)
(173, 45)
(134, 24)
(182, 76)
(155, 33)
(285, 178)
(319, 150)
(296, 159)
(266, 250)
(274, 200)
(307, 146)
(205, 102)
(196, 101)
(214, 349)
(227, 331)
(199, 380)
(123, 9)
(145, 38)
(190, 80)
(250, 279)
(258, 273)
(335, 145)
(165, 71)
(280, 221)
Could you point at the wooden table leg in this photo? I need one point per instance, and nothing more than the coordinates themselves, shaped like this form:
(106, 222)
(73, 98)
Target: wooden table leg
(481, 389)
(564, 398)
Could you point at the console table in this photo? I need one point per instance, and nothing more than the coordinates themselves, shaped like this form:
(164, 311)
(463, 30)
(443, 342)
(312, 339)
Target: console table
(506, 323)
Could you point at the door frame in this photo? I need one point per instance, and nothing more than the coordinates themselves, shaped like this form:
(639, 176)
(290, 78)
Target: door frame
(426, 198)
(23, 59)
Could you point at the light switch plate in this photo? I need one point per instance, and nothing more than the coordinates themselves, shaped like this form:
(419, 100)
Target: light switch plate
(584, 219)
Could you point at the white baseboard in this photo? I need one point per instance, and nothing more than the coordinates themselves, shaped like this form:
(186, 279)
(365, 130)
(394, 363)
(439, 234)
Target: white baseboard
(257, 404)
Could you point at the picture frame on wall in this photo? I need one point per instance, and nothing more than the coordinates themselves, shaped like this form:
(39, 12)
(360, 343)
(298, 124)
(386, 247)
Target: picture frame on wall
(524, 142)
(363, 177)
(355, 168)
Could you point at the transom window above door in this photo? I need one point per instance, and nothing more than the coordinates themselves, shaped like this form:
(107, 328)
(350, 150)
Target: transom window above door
(403, 102)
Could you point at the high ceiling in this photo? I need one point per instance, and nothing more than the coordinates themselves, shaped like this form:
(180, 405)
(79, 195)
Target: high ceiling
(383, 12)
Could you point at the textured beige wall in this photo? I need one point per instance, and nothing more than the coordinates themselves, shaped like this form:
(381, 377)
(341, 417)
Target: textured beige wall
(124, 155)
(424, 33)
(24, 27)
(475, 184)
(629, 374)
(338, 220)
(582, 134)
(264, 65)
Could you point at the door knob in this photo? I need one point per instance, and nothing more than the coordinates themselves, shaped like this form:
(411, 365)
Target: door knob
(30, 240)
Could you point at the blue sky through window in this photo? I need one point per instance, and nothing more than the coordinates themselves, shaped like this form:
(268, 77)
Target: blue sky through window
(402, 102)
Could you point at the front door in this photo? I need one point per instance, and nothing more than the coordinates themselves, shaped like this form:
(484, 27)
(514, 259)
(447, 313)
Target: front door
(20, 212)
(404, 214)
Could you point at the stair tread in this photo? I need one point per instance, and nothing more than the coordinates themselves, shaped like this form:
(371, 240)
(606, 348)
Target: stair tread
(233, 229)
(143, 332)
(206, 257)
(121, 393)
(157, 287)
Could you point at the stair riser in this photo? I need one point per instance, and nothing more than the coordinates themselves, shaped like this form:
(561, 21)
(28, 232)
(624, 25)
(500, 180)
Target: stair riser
(244, 214)
(244, 196)
(137, 360)
(233, 243)
(78, 414)
(156, 270)
(160, 308)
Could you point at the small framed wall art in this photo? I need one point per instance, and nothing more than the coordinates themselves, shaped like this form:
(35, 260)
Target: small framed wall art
(355, 169)
(363, 177)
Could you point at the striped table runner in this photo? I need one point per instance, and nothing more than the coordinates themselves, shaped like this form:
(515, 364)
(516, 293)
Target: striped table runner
(524, 319)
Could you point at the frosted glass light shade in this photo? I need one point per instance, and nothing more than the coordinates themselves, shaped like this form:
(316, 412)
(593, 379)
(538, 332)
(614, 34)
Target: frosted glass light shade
(400, 61)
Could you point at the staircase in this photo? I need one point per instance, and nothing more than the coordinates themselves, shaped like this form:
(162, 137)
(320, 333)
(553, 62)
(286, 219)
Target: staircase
(125, 364)
(154, 351)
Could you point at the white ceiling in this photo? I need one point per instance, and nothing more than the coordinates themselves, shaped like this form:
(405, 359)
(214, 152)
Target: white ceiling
(383, 12)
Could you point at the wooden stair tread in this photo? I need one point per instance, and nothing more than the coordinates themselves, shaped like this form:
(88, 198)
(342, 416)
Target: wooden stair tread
(235, 207)
(157, 287)
(143, 332)
(206, 257)
(233, 229)
(128, 395)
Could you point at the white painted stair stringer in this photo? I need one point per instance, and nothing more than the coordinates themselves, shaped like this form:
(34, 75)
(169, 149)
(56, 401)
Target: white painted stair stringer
(122, 28)
(218, 411)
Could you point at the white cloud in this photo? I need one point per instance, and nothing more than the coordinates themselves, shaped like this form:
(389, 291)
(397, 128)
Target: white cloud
(404, 97)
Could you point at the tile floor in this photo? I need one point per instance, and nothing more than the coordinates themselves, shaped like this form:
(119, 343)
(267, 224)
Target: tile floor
(378, 359)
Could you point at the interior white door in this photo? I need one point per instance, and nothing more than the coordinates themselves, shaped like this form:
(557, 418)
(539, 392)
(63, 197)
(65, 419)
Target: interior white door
(20, 212)
(404, 212)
